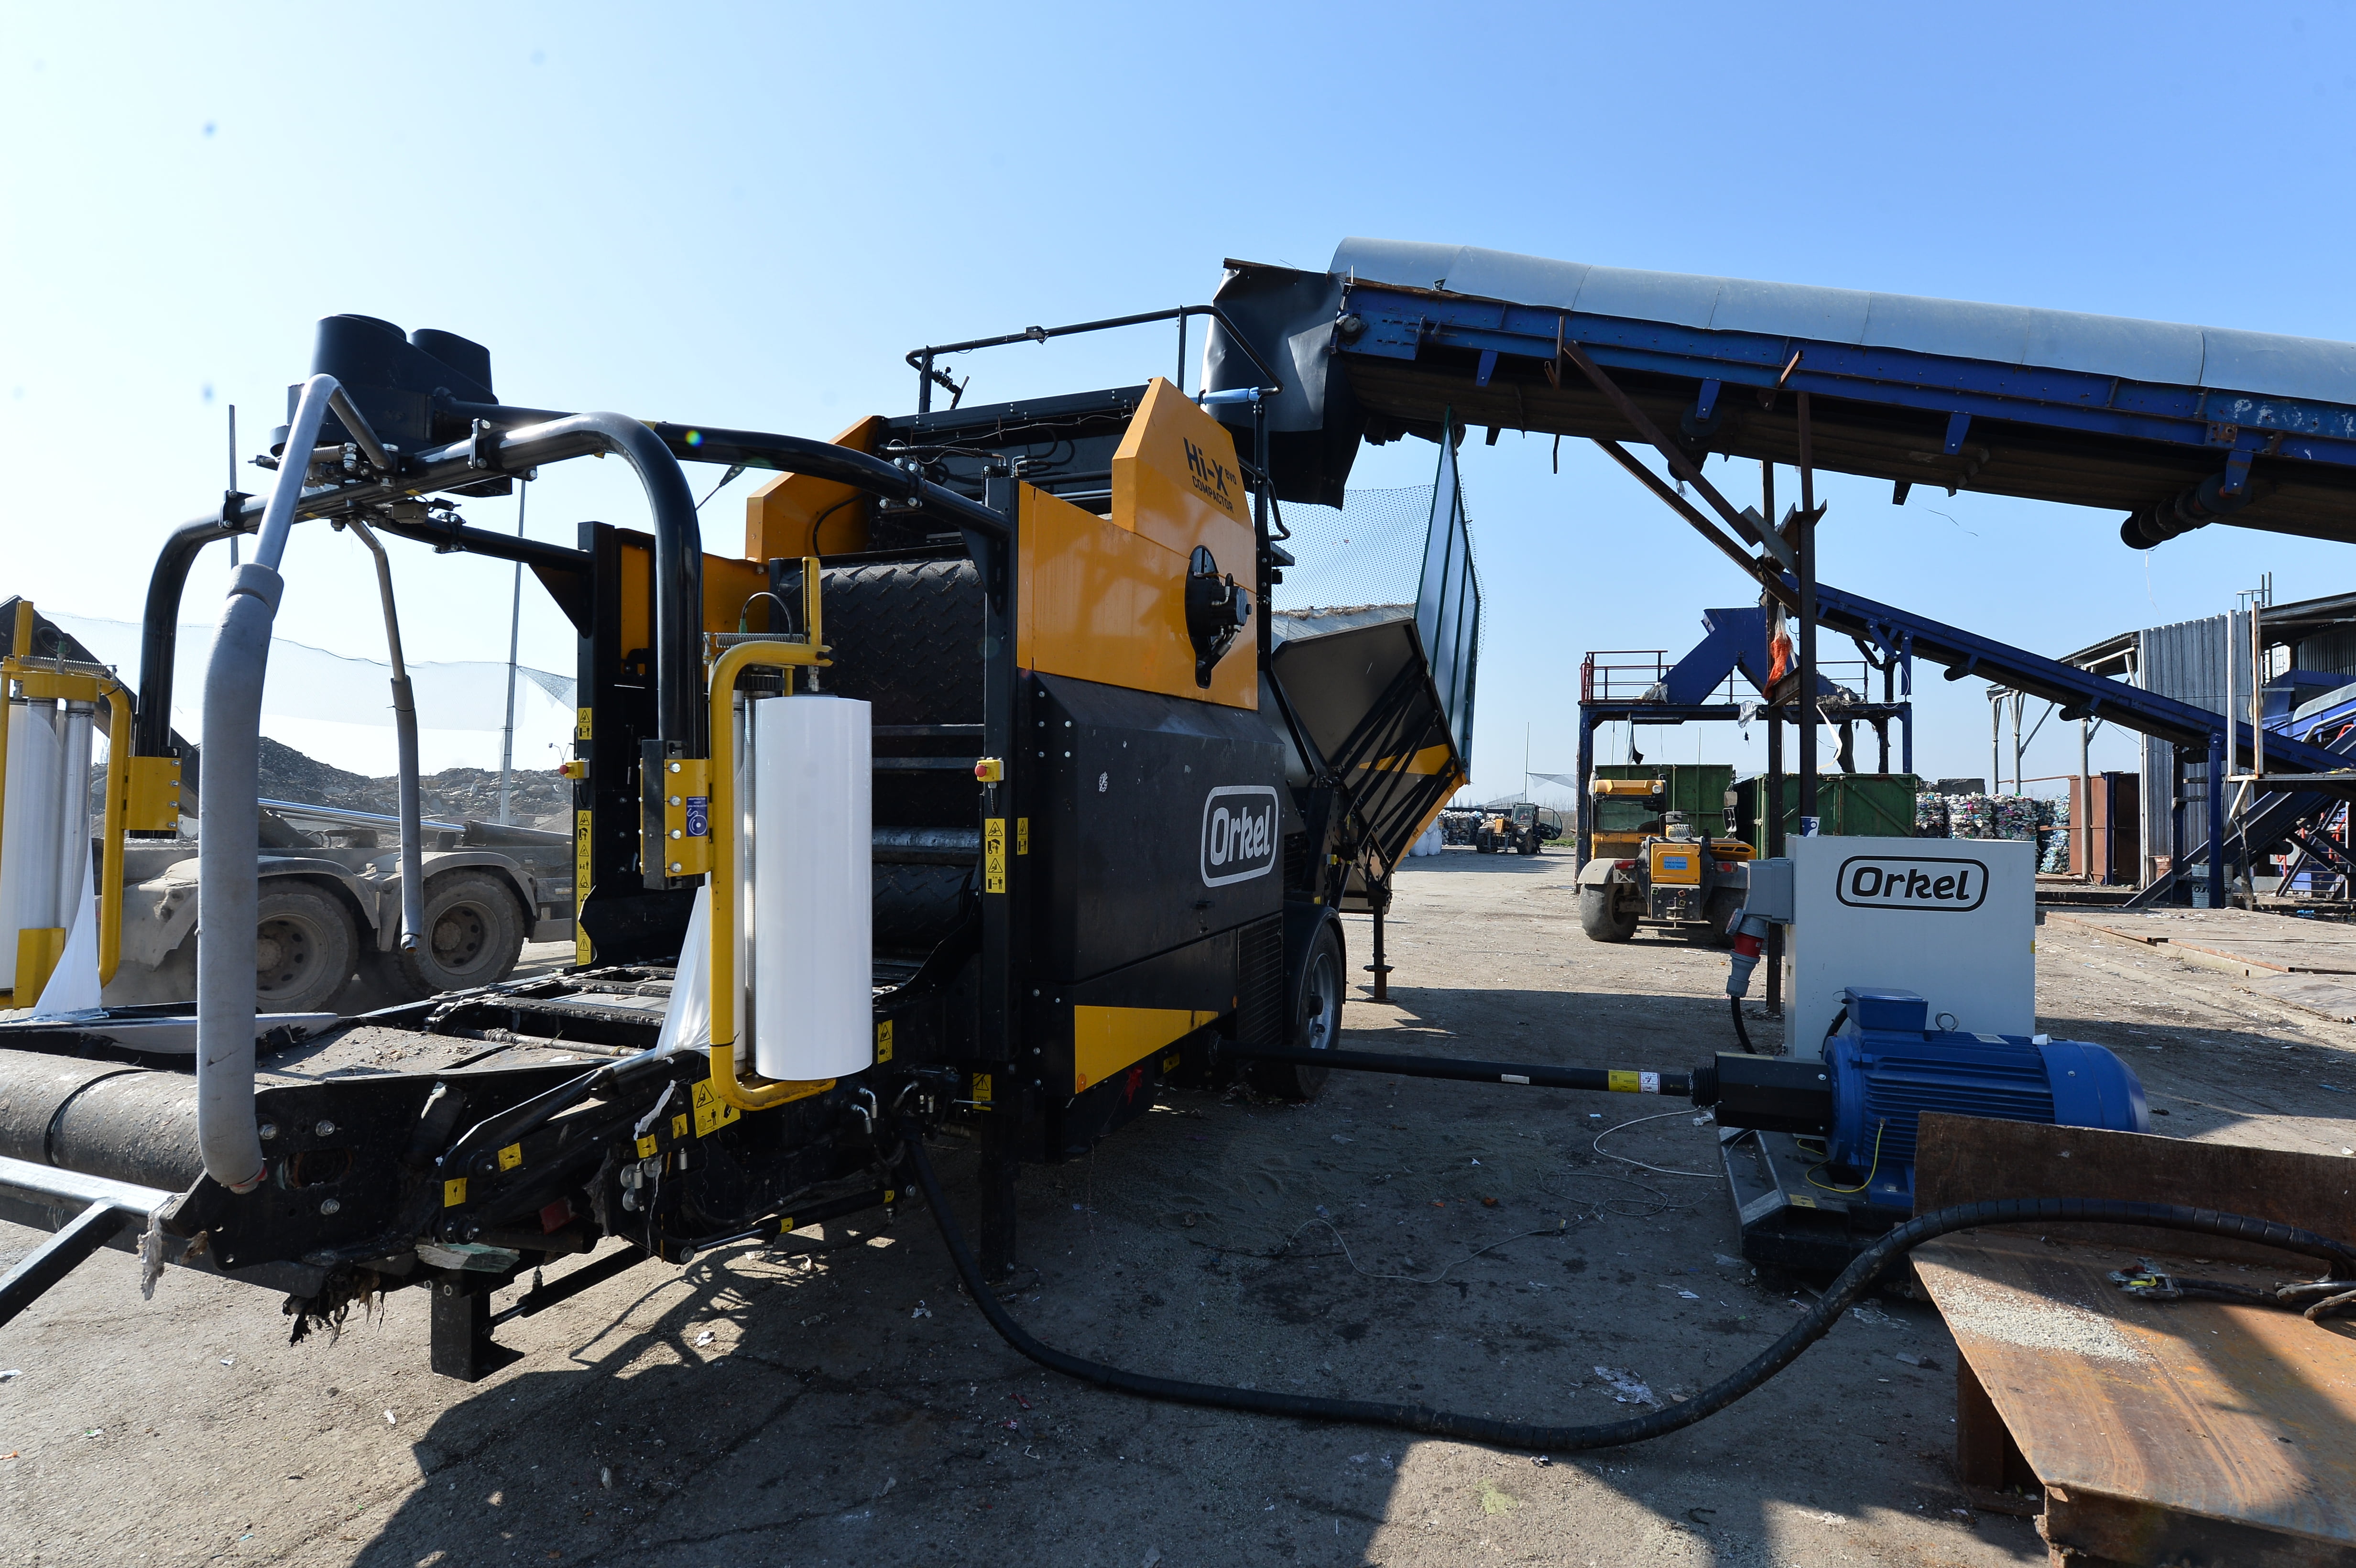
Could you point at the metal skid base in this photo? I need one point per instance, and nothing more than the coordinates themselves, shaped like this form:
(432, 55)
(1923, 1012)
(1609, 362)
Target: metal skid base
(1787, 1221)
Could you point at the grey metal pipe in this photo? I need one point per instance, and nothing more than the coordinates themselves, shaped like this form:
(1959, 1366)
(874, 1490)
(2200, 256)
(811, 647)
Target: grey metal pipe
(24, 1180)
(404, 728)
(363, 436)
(227, 830)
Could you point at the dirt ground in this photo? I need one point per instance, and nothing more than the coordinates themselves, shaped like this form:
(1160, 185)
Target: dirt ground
(856, 1409)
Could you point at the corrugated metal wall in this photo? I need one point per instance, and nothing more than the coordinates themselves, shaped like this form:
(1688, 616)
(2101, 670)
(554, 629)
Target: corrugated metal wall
(2328, 652)
(2188, 661)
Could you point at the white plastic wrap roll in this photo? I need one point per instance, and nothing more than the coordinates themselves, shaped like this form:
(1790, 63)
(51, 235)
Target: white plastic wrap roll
(73, 807)
(30, 831)
(811, 941)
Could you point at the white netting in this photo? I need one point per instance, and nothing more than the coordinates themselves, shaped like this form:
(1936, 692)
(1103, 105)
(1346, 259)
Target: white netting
(339, 709)
(1369, 551)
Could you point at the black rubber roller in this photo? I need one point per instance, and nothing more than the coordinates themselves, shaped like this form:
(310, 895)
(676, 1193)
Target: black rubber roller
(906, 636)
(916, 906)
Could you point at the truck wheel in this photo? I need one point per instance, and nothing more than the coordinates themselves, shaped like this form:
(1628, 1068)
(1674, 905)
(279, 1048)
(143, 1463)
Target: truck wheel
(1599, 916)
(1483, 844)
(1316, 1023)
(305, 941)
(473, 935)
(1720, 912)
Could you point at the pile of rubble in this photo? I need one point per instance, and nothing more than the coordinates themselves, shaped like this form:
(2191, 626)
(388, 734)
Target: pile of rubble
(536, 799)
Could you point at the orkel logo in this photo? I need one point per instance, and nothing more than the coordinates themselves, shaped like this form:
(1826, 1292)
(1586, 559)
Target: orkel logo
(1210, 477)
(1238, 834)
(1923, 882)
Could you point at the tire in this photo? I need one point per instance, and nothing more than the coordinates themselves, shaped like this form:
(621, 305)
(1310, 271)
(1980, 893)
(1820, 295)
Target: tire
(474, 934)
(305, 943)
(1599, 916)
(1315, 1023)
(1718, 912)
(1483, 845)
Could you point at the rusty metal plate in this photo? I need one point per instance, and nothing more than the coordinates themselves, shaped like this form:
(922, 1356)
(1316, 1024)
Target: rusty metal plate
(2162, 1432)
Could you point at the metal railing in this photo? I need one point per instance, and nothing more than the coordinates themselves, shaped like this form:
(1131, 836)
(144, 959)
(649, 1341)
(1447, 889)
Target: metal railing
(1627, 674)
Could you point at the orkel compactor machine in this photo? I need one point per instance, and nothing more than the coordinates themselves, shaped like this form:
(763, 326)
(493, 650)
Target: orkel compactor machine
(976, 795)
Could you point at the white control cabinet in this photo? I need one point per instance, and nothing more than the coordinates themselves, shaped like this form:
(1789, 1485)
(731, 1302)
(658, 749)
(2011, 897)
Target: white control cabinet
(1953, 919)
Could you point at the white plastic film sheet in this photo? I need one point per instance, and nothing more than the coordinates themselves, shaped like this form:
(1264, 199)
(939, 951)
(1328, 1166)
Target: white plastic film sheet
(687, 1018)
(811, 941)
(33, 827)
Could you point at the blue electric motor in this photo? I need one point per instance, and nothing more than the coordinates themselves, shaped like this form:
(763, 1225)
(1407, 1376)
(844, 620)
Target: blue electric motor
(1885, 1070)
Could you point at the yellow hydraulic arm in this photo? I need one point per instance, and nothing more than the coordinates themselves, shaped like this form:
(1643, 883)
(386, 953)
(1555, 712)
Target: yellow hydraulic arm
(141, 792)
(731, 1089)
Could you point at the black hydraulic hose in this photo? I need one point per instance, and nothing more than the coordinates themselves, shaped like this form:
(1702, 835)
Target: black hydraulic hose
(517, 1121)
(824, 460)
(1741, 1033)
(1595, 1080)
(764, 449)
(1853, 1283)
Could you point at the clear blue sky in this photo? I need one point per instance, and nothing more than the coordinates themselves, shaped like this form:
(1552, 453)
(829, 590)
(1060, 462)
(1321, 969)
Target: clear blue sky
(745, 215)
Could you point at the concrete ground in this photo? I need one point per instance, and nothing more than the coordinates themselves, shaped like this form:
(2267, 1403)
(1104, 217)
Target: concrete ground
(856, 1409)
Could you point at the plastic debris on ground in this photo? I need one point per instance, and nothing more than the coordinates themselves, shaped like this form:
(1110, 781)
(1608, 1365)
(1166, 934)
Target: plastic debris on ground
(1627, 1387)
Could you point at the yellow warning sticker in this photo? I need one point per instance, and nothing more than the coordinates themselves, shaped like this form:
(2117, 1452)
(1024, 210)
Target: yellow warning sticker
(453, 1192)
(647, 1147)
(883, 1041)
(583, 862)
(511, 1157)
(1624, 1082)
(711, 1112)
(679, 1126)
(981, 1088)
(1802, 1200)
(1022, 836)
(994, 855)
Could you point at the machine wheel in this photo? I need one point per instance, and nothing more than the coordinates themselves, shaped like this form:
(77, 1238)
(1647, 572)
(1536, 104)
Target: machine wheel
(472, 936)
(1483, 844)
(1316, 1022)
(1599, 917)
(305, 941)
(1720, 912)
(1529, 846)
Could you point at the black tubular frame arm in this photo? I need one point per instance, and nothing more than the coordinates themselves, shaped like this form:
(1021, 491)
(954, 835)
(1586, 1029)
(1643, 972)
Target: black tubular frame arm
(679, 550)
(920, 360)
(784, 453)
(1852, 1284)
(159, 629)
(515, 440)
(1594, 1080)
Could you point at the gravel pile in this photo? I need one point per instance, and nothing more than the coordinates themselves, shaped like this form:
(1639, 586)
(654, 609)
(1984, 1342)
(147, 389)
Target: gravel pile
(537, 799)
